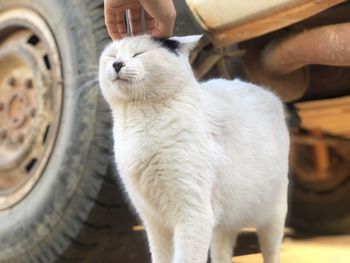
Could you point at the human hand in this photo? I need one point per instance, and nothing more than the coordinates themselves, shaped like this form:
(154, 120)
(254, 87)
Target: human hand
(160, 17)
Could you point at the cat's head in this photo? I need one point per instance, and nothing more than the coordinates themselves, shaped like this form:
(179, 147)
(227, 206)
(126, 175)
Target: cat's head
(143, 67)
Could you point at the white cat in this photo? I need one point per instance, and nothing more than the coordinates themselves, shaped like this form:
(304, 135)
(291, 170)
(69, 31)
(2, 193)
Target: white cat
(199, 161)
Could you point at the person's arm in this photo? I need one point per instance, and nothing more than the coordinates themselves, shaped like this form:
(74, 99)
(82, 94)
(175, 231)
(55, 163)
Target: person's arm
(160, 17)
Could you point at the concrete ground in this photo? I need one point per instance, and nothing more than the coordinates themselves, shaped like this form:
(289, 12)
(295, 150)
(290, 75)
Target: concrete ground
(330, 249)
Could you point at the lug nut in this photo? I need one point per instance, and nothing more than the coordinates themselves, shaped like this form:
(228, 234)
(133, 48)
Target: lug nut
(32, 112)
(11, 81)
(28, 83)
(20, 138)
(2, 134)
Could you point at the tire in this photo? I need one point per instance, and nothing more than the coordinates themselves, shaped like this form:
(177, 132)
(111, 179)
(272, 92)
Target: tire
(319, 203)
(75, 209)
(313, 213)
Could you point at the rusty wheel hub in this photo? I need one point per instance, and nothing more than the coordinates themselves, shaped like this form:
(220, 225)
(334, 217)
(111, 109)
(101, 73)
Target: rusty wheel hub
(30, 102)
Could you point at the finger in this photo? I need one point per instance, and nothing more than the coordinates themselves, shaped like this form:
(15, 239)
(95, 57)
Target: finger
(121, 25)
(115, 17)
(111, 21)
(158, 34)
(135, 21)
(151, 24)
(165, 28)
(164, 13)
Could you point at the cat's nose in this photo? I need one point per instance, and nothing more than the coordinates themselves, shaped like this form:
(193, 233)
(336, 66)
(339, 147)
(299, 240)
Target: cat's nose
(117, 65)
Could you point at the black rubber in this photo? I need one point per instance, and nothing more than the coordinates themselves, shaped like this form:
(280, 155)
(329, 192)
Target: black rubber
(76, 212)
(320, 213)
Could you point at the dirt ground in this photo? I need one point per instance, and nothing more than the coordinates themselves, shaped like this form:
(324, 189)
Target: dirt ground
(322, 249)
(331, 249)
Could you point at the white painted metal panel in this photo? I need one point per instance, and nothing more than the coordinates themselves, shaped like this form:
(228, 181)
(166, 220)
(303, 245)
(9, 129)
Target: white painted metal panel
(219, 14)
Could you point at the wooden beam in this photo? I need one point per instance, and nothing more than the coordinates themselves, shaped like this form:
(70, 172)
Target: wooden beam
(330, 116)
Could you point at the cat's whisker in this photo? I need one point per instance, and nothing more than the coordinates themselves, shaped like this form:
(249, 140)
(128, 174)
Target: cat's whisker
(87, 84)
(138, 89)
(90, 83)
(85, 76)
(133, 73)
(132, 92)
(135, 94)
(135, 87)
(143, 91)
(132, 88)
(88, 65)
(88, 73)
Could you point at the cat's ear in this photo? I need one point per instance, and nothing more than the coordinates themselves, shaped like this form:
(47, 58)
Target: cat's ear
(187, 43)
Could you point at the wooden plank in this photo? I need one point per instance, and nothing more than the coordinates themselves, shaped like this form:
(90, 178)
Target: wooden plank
(330, 115)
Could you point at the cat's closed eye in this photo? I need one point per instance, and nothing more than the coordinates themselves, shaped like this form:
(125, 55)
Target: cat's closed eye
(137, 54)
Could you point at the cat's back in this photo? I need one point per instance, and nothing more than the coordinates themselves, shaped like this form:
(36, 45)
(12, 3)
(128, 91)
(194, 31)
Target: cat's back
(246, 108)
(248, 111)
(240, 93)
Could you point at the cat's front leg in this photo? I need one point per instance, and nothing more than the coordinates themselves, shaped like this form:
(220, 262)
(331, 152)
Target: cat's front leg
(192, 238)
(160, 241)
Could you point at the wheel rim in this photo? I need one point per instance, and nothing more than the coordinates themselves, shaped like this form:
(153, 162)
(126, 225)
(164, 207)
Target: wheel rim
(30, 101)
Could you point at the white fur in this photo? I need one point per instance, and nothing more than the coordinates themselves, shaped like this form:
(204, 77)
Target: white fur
(199, 161)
